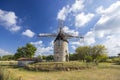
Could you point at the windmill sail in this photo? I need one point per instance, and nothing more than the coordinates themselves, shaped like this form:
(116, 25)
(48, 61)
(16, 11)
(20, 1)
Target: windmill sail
(61, 52)
(47, 35)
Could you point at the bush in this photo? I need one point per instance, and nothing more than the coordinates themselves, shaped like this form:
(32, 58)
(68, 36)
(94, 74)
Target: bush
(103, 57)
(88, 59)
(109, 60)
(116, 60)
(49, 58)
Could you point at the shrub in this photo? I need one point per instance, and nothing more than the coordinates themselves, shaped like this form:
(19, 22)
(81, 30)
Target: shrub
(116, 60)
(88, 59)
(109, 60)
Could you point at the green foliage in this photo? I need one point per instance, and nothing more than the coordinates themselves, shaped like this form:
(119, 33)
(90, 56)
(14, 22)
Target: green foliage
(7, 57)
(116, 60)
(27, 51)
(39, 57)
(0, 58)
(109, 60)
(44, 57)
(49, 58)
(88, 58)
(95, 53)
(82, 51)
(103, 57)
(72, 57)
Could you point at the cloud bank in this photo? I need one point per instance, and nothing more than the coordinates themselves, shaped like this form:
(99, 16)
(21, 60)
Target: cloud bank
(9, 20)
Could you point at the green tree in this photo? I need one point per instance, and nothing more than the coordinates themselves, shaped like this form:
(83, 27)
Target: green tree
(44, 57)
(0, 58)
(103, 57)
(39, 57)
(82, 51)
(95, 53)
(7, 57)
(27, 51)
(88, 58)
(49, 58)
(72, 56)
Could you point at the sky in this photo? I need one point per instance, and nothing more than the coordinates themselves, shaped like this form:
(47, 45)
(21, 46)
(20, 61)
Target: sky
(22, 20)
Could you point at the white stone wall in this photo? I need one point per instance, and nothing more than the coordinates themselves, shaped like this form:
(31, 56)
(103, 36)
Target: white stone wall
(60, 50)
(24, 63)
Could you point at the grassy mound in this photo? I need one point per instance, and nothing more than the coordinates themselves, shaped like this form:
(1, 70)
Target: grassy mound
(58, 66)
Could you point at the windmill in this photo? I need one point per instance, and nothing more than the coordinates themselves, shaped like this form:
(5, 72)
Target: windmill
(61, 53)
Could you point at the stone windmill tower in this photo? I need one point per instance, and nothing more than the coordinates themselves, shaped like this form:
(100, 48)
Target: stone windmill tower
(61, 52)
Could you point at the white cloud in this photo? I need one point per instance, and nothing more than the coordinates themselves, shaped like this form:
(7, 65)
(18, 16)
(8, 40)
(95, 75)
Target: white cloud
(113, 44)
(77, 6)
(77, 43)
(109, 20)
(107, 28)
(52, 43)
(42, 49)
(74, 8)
(62, 14)
(28, 33)
(89, 38)
(8, 19)
(73, 47)
(82, 19)
(110, 10)
(38, 43)
(76, 11)
(72, 32)
(3, 52)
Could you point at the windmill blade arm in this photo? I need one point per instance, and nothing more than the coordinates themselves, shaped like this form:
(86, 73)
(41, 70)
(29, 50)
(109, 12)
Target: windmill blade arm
(47, 35)
(68, 36)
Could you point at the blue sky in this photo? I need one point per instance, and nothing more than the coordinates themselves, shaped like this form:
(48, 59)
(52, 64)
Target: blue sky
(22, 20)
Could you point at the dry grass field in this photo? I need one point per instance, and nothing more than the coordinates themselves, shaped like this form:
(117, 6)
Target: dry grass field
(105, 71)
(90, 74)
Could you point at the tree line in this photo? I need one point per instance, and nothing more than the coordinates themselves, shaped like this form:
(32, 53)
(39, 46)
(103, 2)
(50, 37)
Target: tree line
(27, 51)
(90, 53)
(97, 53)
